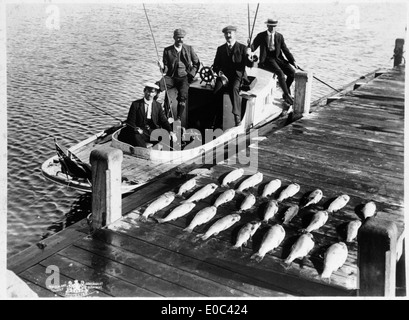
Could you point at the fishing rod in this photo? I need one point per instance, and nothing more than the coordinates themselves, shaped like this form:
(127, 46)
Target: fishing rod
(321, 81)
(157, 54)
(254, 22)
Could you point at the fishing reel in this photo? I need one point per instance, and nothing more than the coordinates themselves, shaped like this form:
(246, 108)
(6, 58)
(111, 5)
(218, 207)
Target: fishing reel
(206, 74)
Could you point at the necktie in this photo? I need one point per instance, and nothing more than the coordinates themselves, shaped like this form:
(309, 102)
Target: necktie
(270, 42)
(147, 111)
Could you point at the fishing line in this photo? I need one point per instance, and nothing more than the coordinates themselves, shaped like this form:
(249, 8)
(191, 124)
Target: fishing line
(321, 81)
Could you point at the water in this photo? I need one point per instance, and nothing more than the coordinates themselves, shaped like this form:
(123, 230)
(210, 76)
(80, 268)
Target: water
(104, 53)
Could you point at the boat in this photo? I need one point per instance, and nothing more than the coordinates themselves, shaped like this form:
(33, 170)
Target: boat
(261, 103)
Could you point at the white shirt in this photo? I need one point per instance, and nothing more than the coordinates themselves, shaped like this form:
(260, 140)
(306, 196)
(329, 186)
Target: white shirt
(271, 34)
(230, 44)
(178, 49)
(148, 108)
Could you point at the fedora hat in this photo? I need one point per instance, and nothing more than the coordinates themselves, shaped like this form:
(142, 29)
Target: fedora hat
(271, 22)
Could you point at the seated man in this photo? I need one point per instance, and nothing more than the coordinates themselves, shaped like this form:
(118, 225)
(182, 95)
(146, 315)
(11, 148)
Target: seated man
(144, 116)
(180, 65)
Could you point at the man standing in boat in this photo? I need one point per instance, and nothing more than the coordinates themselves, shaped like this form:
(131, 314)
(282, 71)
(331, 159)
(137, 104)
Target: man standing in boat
(272, 47)
(230, 66)
(180, 65)
(144, 116)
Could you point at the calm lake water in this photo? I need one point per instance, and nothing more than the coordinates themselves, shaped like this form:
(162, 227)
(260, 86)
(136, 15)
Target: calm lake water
(60, 56)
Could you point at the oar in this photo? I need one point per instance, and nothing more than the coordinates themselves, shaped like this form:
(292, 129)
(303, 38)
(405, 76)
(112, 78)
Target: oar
(321, 81)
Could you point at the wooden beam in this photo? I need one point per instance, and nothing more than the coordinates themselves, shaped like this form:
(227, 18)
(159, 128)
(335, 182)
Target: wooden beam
(302, 93)
(398, 52)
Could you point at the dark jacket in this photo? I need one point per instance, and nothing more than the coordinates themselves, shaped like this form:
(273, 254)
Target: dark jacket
(233, 65)
(261, 40)
(188, 56)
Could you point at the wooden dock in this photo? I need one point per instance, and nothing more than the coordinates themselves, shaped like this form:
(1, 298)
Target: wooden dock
(353, 145)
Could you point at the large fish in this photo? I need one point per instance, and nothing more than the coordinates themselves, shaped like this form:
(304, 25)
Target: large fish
(226, 196)
(300, 248)
(178, 212)
(248, 202)
(245, 233)
(186, 186)
(271, 187)
(334, 258)
(290, 213)
(220, 225)
(204, 192)
(271, 240)
(201, 217)
(288, 192)
(317, 221)
(313, 198)
(232, 176)
(369, 209)
(158, 204)
(250, 181)
(352, 229)
(338, 203)
(271, 210)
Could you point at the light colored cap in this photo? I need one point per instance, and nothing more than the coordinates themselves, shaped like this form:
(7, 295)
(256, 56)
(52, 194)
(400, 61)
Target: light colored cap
(151, 85)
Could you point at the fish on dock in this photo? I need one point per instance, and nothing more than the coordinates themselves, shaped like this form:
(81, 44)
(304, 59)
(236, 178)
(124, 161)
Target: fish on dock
(334, 258)
(224, 197)
(290, 213)
(158, 204)
(338, 203)
(188, 185)
(250, 182)
(232, 176)
(246, 232)
(220, 225)
(313, 198)
(271, 210)
(352, 230)
(289, 191)
(271, 187)
(248, 202)
(300, 248)
(271, 240)
(204, 192)
(369, 209)
(201, 217)
(317, 221)
(178, 212)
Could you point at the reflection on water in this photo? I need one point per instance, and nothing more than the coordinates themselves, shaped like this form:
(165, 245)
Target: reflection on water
(104, 53)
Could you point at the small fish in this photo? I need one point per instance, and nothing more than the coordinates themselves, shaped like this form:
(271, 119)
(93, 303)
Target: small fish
(300, 248)
(248, 202)
(204, 192)
(232, 176)
(271, 187)
(352, 229)
(158, 204)
(369, 209)
(271, 240)
(245, 233)
(334, 258)
(178, 212)
(226, 196)
(250, 181)
(201, 217)
(288, 192)
(338, 203)
(290, 213)
(313, 198)
(220, 225)
(186, 186)
(271, 210)
(317, 221)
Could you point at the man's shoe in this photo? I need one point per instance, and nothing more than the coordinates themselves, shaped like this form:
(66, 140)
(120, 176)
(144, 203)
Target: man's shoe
(288, 99)
(237, 120)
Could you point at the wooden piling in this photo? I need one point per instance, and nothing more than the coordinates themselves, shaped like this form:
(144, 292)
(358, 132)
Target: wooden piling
(302, 93)
(398, 52)
(377, 258)
(106, 186)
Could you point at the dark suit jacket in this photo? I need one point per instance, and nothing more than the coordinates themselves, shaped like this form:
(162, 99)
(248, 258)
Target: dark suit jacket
(190, 59)
(261, 40)
(233, 65)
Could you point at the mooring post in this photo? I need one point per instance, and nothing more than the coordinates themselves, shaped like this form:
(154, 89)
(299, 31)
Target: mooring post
(302, 93)
(106, 165)
(377, 258)
(398, 52)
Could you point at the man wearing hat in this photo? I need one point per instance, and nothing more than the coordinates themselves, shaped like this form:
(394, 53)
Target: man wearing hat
(180, 65)
(272, 47)
(144, 116)
(230, 62)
